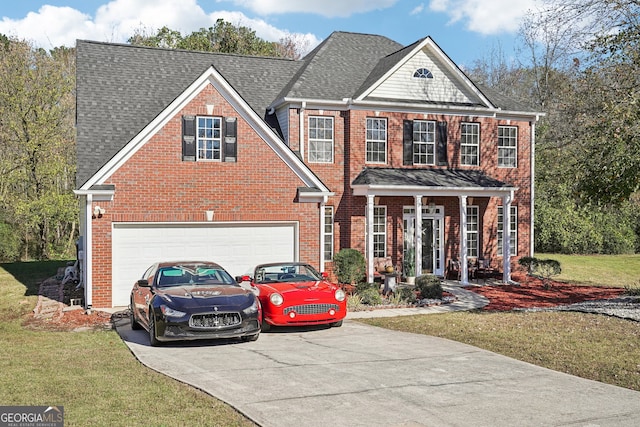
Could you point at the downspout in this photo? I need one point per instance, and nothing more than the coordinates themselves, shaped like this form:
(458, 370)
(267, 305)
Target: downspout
(301, 126)
(532, 198)
(88, 254)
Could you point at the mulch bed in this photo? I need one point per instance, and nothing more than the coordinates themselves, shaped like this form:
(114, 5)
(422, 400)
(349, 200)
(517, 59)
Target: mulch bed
(531, 293)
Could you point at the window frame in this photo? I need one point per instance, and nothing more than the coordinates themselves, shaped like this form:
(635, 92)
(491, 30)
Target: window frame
(507, 147)
(422, 73)
(328, 233)
(473, 231)
(324, 142)
(469, 144)
(372, 145)
(203, 139)
(426, 144)
(513, 230)
(379, 231)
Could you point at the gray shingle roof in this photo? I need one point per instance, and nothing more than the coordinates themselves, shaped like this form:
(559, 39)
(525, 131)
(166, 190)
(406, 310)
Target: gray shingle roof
(445, 178)
(339, 65)
(121, 88)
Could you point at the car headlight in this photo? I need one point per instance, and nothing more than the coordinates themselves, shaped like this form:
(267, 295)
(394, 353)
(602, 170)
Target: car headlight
(340, 295)
(252, 308)
(170, 312)
(276, 299)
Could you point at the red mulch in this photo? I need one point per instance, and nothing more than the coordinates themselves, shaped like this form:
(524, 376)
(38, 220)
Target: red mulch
(71, 320)
(531, 293)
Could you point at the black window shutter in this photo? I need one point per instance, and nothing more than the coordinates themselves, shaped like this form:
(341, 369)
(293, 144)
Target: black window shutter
(407, 142)
(189, 138)
(441, 148)
(230, 139)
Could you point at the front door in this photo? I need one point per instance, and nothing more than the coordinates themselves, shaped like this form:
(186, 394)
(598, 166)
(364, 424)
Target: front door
(432, 250)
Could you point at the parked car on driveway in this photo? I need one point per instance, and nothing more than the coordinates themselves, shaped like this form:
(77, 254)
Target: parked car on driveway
(188, 300)
(295, 294)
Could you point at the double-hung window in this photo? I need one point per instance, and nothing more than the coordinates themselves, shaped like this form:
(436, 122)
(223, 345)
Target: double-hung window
(379, 231)
(513, 230)
(376, 140)
(472, 231)
(209, 137)
(507, 146)
(424, 142)
(320, 139)
(470, 144)
(328, 233)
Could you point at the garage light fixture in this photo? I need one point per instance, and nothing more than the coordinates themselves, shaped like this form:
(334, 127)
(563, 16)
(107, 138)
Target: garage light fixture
(98, 212)
(209, 215)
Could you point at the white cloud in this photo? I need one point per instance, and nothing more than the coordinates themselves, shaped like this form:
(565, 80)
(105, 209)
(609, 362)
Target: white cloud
(417, 10)
(116, 21)
(485, 17)
(327, 8)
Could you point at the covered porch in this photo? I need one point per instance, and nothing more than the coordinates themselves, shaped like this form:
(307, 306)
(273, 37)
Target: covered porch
(434, 194)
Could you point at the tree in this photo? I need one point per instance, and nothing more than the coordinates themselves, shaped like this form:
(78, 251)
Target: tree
(223, 37)
(37, 138)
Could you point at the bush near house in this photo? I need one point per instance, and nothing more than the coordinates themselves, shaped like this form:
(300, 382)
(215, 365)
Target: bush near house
(429, 286)
(349, 266)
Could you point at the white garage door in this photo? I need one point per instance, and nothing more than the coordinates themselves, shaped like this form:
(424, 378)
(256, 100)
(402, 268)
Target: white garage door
(236, 247)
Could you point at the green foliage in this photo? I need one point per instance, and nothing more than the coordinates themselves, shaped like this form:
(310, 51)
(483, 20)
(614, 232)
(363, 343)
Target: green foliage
(429, 286)
(528, 263)
(349, 265)
(407, 295)
(545, 268)
(37, 166)
(223, 37)
(9, 243)
(409, 261)
(370, 296)
(633, 289)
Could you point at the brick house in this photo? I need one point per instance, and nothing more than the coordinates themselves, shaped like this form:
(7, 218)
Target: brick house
(243, 160)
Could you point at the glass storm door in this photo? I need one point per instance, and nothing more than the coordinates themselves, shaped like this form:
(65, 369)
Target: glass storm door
(432, 250)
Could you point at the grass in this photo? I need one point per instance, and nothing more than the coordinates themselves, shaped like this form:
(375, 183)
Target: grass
(92, 374)
(590, 346)
(598, 270)
(99, 382)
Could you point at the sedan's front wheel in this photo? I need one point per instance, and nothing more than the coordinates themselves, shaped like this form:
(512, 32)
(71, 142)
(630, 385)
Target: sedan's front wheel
(134, 322)
(153, 338)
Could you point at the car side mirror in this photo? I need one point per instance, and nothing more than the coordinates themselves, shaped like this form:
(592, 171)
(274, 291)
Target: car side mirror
(245, 278)
(144, 283)
(325, 275)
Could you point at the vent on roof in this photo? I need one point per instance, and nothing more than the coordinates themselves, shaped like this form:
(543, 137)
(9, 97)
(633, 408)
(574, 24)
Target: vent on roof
(423, 73)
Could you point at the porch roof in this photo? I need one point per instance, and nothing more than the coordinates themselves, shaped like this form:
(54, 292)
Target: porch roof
(436, 182)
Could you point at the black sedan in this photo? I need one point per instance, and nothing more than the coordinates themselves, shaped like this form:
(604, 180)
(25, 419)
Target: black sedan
(193, 300)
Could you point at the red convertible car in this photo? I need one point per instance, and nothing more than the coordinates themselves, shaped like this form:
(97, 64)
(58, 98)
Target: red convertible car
(295, 294)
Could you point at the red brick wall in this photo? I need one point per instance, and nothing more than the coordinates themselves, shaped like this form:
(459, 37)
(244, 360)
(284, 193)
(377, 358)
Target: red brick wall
(155, 185)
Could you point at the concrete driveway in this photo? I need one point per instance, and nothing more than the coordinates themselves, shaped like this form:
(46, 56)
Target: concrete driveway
(359, 375)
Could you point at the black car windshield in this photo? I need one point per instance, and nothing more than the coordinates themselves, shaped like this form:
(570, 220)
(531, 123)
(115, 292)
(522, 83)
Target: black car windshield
(195, 274)
(286, 273)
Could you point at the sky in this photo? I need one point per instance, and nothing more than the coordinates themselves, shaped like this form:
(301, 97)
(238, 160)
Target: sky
(467, 30)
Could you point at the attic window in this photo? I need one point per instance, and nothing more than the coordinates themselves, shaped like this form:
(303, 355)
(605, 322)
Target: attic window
(422, 73)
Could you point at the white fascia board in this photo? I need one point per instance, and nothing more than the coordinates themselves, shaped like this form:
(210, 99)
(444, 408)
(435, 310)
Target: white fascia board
(98, 195)
(428, 42)
(313, 104)
(399, 190)
(314, 196)
(210, 77)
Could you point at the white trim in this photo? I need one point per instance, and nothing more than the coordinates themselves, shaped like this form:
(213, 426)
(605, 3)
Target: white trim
(210, 77)
(415, 190)
(332, 140)
(87, 268)
(532, 197)
(464, 264)
(369, 241)
(435, 49)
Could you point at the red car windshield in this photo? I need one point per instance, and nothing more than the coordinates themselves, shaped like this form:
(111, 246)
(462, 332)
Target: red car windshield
(275, 273)
(201, 274)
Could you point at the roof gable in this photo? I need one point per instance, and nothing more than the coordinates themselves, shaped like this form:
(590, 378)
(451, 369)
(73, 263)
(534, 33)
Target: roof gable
(125, 148)
(393, 78)
(122, 88)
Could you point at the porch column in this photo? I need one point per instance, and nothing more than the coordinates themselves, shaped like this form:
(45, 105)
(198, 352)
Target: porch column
(322, 214)
(464, 265)
(87, 268)
(369, 242)
(506, 237)
(418, 236)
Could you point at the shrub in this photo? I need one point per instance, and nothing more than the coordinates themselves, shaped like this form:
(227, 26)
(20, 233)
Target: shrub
(546, 268)
(349, 266)
(429, 286)
(370, 296)
(528, 263)
(407, 295)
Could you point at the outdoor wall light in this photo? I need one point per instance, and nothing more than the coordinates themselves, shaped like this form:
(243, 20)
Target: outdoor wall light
(98, 212)
(209, 215)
